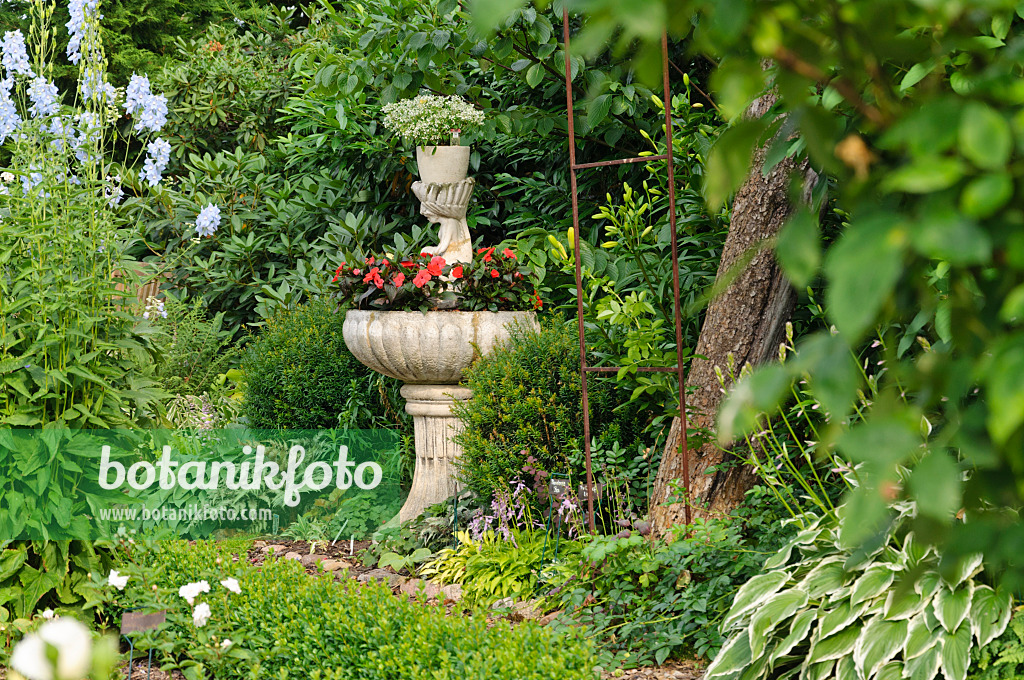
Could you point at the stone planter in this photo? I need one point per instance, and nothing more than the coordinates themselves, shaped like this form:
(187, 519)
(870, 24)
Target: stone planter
(429, 351)
(442, 164)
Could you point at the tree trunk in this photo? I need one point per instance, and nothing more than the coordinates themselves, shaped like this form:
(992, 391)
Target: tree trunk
(747, 320)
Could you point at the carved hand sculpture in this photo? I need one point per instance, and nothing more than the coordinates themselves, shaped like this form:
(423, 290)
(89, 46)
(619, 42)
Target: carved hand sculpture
(445, 205)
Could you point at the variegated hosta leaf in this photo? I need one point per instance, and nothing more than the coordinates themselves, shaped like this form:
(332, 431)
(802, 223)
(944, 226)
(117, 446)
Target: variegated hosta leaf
(753, 593)
(891, 671)
(797, 633)
(920, 638)
(871, 583)
(990, 613)
(766, 617)
(951, 608)
(925, 666)
(818, 671)
(903, 602)
(965, 568)
(846, 669)
(825, 578)
(928, 584)
(755, 671)
(780, 558)
(836, 646)
(732, 659)
(837, 619)
(916, 551)
(955, 654)
(878, 644)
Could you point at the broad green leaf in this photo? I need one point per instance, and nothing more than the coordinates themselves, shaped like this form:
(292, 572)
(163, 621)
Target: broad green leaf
(737, 83)
(919, 638)
(985, 137)
(891, 671)
(798, 631)
(750, 397)
(826, 359)
(818, 671)
(840, 616)
(862, 268)
(944, 234)
(878, 644)
(835, 646)
(924, 666)
(903, 603)
(598, 109)
(735, 656)
(917, 73)
(955, 656)
(534, 75)
(925, 176)
(767, 616)
(990, 613)
(1005, 391)
(798, 248)
(846, 669)
(962, 569)
(937, 485)
(729, 162)
(882, 442)
(824, 579)
(753, 593)
(872, 583)
(985, 195)
(951, 607)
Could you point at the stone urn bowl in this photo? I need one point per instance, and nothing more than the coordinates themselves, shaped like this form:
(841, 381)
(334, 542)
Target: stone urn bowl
(429, 351)
(443, 164)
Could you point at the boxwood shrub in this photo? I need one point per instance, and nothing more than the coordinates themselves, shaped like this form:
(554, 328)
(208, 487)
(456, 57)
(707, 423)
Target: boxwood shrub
(527, 397)
(288, 624)
(300, 375)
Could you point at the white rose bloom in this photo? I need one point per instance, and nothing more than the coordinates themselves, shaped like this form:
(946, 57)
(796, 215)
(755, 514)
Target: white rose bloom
(201, 614)
(232, 585)
(117, 580)
(73, 643)
(192, 590)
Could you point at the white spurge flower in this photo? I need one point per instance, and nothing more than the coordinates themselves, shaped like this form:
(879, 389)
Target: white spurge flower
(232, 585)
(117, 580)
(201, 614)
(192, 590)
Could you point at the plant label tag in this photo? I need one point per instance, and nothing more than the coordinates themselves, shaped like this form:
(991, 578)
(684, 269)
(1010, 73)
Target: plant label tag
(137, 622)
(558, 487)
(585, 492)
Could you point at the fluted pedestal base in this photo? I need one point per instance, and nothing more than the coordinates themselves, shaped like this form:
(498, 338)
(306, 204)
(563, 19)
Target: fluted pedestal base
(434, 480)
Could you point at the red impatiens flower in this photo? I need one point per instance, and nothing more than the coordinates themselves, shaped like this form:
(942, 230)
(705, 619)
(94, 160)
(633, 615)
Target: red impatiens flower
(494, 273)
(456, 272)
(337, 272)
(421, 278)
(508, 253)
(408, 263)
(369, 260)
(357, 272)
(373, 276)
(398, 280)
(488, 252)
(537, 302)
(436, 265)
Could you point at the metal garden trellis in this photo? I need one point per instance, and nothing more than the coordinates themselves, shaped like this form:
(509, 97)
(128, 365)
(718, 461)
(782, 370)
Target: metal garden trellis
(584, 368)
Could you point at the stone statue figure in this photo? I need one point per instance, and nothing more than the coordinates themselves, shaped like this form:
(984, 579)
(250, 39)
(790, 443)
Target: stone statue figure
(445, 205)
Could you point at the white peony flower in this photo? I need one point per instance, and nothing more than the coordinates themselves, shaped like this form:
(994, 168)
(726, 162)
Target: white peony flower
(117, 580)
(201, 614)
(232, 585)
(226, 644)
(192, 590)
(71, 640)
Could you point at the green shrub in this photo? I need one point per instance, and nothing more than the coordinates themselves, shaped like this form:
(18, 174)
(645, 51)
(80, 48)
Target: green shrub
(1003, 658)
(194, 350)
(300, 375)
(284, 623)
(526, 397)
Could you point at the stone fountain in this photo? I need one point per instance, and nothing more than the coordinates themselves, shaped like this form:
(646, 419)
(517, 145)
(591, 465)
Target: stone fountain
(429, 351)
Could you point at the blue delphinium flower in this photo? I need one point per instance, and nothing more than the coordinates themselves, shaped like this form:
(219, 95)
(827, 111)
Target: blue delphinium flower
(10, 121)
(150, 110)
(15, 56)
(80, 11)
(88, 133)
(31, 180)
(208, 220)
(43, 94)
(63, 133)
(95, 85)
(156, 162)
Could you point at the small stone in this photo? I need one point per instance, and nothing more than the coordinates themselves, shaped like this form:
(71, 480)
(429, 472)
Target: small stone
(335, 565)
(293, 556)
(311, 560)
(503, 603)
(277, 549)
(374, 575)
(259, 544)
(528, 610)
(452, 591)
(548, 618)
(420, 589)
(396, 580)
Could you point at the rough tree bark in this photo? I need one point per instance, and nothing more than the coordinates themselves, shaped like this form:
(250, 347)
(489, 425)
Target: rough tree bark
(746, 320)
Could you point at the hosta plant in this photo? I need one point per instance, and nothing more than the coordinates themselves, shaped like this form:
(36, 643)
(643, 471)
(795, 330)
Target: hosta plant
(824, 610)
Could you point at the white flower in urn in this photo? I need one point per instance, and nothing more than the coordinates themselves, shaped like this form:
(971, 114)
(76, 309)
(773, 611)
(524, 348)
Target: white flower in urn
(72, 643)
(117, 580)
(191, 591)
(232, 585)
(201, 614)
